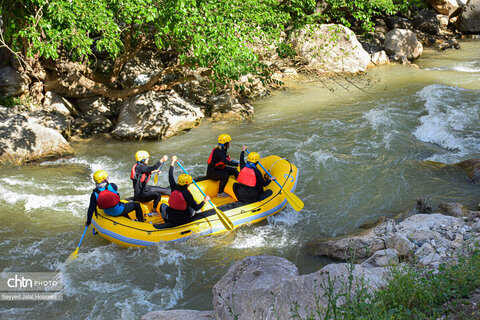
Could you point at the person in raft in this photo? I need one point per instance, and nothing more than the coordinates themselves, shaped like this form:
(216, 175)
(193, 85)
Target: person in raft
(250, 182)
(220, 166)
(140, 175)
(106, 197)
(181, 205)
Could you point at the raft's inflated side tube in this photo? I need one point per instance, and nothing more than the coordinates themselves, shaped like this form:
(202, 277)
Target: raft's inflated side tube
(129, 233)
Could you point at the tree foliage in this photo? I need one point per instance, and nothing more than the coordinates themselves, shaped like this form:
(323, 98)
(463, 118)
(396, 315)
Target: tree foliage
(363, 11)
(214, 34)
(219, 35)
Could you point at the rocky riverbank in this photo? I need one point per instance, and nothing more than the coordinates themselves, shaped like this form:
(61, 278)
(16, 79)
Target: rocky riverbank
(269, 287)
(321, 50)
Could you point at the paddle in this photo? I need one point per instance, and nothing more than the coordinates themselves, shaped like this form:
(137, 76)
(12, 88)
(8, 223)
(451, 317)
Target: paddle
(294, 201)
(74, 254)
(227, 223)
(155, 179)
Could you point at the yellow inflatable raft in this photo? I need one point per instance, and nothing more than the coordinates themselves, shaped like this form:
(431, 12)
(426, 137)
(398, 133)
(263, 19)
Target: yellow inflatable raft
(129, 233)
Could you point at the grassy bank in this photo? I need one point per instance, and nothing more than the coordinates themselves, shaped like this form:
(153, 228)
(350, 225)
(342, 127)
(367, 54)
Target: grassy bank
(412, 293)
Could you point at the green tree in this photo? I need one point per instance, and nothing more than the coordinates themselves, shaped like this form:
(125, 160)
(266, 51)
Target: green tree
(68, 36)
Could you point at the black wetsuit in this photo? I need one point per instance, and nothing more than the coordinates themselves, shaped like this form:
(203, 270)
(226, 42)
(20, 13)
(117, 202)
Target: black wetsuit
(142, 191)
(247, 193)
(127, 207)
(178, 217)
(218, 173)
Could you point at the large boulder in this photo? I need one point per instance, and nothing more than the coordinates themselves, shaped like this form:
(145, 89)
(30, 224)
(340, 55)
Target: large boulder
(469, 19)
(404, 43)
(12, 82)
(22, 141)
(267, 288)
(156, 115)
(330, 48)
(359, 246)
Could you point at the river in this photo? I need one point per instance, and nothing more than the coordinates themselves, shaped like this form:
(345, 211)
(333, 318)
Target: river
(360, 153)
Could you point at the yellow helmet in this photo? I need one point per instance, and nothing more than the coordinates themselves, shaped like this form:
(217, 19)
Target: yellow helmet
(184, 179)
(100, 175)
(141, 155)
(224, 138)
(253, 157)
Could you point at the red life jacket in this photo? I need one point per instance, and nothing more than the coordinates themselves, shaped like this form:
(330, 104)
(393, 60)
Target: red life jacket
(107, 197)
(134, 175)
(247, 177)
(219, 164)
(177, 200)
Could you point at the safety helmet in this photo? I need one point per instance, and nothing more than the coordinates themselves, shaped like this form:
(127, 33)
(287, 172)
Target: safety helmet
(141, 155)
(99, 176)
(184, 179)
(253, 157)
(224, 138)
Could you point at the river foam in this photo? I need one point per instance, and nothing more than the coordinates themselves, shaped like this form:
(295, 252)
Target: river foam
(449, 118)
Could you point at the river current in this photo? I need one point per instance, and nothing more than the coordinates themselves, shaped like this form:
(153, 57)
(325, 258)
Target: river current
(361, 155)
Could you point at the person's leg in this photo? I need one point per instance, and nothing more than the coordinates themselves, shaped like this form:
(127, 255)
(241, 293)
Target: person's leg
(163, 212)
(267, 193)
(138, 211)
(161, 190)
(223, 177)
(149, 196)
(128, 207)
(232, 171)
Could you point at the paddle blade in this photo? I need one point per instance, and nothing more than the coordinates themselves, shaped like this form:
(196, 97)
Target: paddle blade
(294, 201)
(73, 255)
(227, 223)
(155, 179)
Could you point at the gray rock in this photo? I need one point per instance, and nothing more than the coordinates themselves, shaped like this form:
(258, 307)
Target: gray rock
(396, 22)
(141, 68)
(98, 105)
(469, 19)
(56, 103)
(268, 288)
(427, 21)
(331, 48)
(382, 258)
(23, 141)
(425, 250)
(403, 42)
(57, 121)
(156, 115)
(251, 287)
(432, 258)
(379, 58)
(400, 243)
(453, 209)
(227, 108)
(359, 247)
(12, 82)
